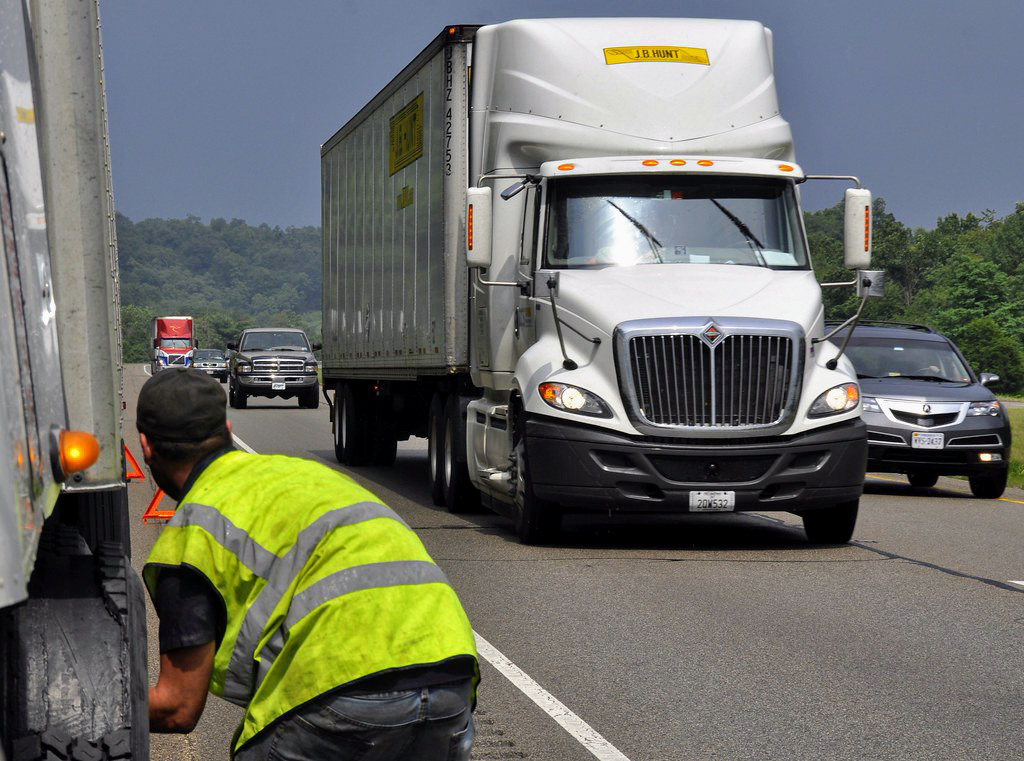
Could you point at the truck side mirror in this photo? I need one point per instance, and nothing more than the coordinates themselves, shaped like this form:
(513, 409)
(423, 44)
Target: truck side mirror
(478, 227)
(857, 229)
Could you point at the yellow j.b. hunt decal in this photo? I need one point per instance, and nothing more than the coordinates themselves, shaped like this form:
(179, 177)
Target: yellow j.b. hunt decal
(656, 54)
(406, 135)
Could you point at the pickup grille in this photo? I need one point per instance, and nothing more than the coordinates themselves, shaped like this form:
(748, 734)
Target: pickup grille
(277, 365)
(687, 379)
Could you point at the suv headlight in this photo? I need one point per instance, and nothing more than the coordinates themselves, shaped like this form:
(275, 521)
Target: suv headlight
(836, 400)
(992, 408)
(573, 399)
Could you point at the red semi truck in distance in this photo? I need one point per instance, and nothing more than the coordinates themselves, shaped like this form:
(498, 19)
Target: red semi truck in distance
(174, 342)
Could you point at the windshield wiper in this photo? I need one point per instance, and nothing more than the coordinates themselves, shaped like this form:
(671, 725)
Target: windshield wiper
(755, 245)
(935, 378)
(653, 242)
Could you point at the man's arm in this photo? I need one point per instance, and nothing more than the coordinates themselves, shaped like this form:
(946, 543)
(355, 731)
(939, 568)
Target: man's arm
(178, 699)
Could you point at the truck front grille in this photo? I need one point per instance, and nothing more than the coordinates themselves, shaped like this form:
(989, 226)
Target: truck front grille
(687, 380)
(277, 365)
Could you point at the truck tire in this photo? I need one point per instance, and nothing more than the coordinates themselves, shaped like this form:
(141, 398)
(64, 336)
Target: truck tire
(435, 449)
(76, 684)
(990, 486)
(833, 525)
(350, 446)
(237, 397)
(537, 521)
(460, 496)
(310, 399)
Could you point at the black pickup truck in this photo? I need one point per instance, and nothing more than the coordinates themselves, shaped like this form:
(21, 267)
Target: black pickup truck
(273, 362)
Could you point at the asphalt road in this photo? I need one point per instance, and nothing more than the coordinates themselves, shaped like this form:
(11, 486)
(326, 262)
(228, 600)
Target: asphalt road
(705, 637)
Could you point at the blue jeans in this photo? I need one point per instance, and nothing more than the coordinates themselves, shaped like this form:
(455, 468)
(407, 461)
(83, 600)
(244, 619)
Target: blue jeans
(428, 724)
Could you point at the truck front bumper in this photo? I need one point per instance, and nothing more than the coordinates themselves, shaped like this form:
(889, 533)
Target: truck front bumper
(591, 469)
(271, 385)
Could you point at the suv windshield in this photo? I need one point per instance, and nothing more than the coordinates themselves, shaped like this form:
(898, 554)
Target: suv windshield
(279, 340)
(594, 221)
(903, 358)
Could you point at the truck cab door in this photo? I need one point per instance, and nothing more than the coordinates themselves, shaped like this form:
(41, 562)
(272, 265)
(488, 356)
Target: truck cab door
(525, 317)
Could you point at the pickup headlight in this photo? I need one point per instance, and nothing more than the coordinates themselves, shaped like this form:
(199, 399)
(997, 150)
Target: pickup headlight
(243, 367)
(310, 367)
(573, 399)
(837, 399)
(992, 408)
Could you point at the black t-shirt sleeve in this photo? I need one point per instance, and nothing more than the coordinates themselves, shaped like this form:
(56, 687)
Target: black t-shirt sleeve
(190, 611)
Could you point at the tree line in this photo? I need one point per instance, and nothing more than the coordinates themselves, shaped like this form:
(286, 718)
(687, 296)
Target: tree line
(964, 278)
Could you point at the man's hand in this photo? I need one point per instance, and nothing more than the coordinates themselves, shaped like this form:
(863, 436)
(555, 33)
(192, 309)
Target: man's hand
(178, 699)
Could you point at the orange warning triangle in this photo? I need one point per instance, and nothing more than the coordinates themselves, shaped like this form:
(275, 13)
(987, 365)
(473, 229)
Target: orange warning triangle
(134, 471)
(152, 514)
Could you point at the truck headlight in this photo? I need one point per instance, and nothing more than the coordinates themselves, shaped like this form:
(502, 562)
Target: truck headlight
(573, 399)
(992, 408)
(310, 367)
(837, 399)
(243, 367)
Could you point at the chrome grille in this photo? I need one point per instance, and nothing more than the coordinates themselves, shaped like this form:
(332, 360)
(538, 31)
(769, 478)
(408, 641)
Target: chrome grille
(685, 378)
(277, 365)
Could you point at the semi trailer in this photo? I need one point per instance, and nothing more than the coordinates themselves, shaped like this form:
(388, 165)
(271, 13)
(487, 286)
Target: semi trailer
(571, 254)
(72, 611)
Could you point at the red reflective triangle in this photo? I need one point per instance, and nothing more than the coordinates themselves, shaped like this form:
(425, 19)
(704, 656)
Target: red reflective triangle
(134, 471)
(152, 514)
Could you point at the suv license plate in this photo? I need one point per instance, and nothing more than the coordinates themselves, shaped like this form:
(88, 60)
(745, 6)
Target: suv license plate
(712, 501)
(927, 440)
(277, 387)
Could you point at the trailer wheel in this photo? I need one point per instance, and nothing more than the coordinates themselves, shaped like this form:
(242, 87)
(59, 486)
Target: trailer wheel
(76, 682)
(380, 433)
(537, 520)
(460, 496)
(350, 446)
(435, 449)
(833, 525)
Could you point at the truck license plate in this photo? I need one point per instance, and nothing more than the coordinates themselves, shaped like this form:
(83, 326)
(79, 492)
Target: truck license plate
(927, 440)
(277, 387)
(712, 501)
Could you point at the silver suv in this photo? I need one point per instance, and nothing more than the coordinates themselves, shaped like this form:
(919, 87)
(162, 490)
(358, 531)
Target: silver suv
(273, 362)
(926, 411)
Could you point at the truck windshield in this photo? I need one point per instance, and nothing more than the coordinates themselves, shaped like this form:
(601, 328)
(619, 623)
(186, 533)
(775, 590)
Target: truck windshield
(630, 220)
(275, 341)
(175, 343)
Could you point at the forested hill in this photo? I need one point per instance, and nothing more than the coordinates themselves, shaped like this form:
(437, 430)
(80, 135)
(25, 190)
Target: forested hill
(964, 278)
(228, 275)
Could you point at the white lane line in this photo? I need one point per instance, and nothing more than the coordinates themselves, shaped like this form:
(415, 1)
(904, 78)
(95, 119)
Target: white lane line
(586, 735)
(570, 722)
(242, 445)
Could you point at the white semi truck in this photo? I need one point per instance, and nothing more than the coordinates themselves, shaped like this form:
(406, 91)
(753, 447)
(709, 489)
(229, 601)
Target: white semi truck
(571, 253)
(72, 612)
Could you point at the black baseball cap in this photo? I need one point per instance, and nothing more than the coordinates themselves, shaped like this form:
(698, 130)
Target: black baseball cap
(183, 405)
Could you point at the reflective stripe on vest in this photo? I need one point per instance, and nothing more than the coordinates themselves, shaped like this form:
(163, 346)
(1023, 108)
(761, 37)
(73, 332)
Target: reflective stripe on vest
(279, 572)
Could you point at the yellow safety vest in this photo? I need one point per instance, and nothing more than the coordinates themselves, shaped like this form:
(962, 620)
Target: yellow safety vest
(322, 583)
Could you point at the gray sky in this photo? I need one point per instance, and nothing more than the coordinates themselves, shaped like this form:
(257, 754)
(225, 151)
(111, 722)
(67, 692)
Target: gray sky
(218, 107)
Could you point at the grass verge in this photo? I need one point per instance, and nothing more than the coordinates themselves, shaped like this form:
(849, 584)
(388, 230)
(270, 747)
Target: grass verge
(1016, 478)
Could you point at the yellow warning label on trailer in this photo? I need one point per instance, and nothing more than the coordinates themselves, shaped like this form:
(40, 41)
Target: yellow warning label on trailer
(656, 54)
(406, 138)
